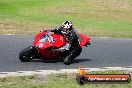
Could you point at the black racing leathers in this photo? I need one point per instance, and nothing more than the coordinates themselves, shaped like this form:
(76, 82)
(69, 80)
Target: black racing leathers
(72, 37)
(72, 43)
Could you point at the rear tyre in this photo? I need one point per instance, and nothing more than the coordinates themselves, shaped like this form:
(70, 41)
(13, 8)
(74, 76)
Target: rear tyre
(27, 54)
(67, 61)
(72, 55)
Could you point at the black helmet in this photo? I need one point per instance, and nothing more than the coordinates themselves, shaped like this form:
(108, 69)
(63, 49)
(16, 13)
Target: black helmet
(67, 25)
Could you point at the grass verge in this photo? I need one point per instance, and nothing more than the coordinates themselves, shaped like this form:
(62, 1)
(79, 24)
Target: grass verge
(112, 18)
(55, 81)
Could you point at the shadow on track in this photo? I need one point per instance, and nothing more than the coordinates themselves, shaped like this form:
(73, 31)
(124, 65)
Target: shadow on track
(82, 60)
(56, 61)
(46, 61)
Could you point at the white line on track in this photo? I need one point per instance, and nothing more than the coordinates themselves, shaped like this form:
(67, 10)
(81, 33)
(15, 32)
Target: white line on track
(103, 37)
(7, 34)
(47, 72)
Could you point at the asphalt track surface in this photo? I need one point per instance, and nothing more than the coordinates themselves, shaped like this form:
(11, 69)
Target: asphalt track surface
(104, 52)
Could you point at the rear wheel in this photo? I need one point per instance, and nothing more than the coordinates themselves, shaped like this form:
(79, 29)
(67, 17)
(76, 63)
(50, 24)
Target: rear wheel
(67, 61)
(72, 55)
(27, 54)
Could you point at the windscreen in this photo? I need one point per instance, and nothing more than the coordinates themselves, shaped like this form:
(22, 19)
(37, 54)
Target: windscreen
(46, 38)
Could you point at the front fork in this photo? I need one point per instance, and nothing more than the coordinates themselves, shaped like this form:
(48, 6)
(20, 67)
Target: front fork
(35, 52)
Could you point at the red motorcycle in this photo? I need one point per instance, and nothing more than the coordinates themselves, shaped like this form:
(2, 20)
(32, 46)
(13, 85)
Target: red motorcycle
(45, 42)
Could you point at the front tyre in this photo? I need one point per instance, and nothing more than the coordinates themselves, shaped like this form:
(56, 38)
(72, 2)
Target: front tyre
(27, 54)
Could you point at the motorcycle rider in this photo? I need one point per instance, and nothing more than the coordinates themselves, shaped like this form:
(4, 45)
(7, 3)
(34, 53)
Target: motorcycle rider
(72, 40)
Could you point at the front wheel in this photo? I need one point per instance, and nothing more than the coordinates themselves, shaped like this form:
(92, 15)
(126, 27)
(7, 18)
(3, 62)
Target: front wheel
(27, 54)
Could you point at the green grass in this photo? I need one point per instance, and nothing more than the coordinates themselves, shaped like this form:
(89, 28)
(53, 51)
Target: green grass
(55, 81)
(92, 17)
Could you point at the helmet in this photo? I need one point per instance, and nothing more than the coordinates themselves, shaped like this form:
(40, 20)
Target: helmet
(67, 25)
